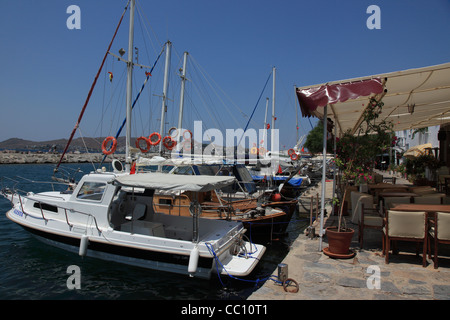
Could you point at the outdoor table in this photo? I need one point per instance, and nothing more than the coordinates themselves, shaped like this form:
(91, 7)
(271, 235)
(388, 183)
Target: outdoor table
(428, 208)
(376, 189)
(398, 194)
(387, 186)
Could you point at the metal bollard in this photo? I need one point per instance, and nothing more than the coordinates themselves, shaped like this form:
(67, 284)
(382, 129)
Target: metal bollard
(282, 272)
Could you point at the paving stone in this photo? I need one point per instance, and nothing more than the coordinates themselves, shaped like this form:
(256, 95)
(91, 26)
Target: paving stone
(352, 282)
(312, 257)
(319, 291)
(441, 292)
(413, 281)
(324, 267)
(416, 290)
(388, 286)
(323, 278)
(316, 277)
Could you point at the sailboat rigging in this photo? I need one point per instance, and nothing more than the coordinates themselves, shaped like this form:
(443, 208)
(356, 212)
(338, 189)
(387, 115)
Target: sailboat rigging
(91, 90)
(112, 216)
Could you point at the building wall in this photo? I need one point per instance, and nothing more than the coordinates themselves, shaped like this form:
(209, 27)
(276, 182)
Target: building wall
(407, 141)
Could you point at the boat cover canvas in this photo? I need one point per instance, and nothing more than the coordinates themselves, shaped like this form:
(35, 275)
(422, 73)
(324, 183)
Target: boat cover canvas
(295, 182)
(173, 182)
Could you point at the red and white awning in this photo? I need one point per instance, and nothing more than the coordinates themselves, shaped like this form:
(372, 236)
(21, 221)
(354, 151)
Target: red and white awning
(414, 98)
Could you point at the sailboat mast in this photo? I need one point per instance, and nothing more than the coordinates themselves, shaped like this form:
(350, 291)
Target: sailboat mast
(296, 120)
(129, 86)
(272, 142)
(265, 123)
(183, 83)
(165, 90)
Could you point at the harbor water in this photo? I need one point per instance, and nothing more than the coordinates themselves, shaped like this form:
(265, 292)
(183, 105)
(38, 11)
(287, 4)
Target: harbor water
(33, 270)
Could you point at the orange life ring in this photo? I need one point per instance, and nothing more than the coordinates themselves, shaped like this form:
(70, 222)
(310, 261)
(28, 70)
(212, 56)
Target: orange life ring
(113, 147)
(154, 143)
(190, 135)
(291, 152)
(254, 150)
(262, 150)
(294, 156)
(169, 143)
(138, 145)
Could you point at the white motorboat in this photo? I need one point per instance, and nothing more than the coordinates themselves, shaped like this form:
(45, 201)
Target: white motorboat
(111, 216)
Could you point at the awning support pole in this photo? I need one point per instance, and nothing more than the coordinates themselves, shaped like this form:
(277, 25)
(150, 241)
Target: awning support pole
(334, 166)
(324, 171)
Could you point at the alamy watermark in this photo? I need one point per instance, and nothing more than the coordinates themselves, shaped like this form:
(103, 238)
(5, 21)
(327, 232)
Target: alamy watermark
(374, 20)
(374, 280)
(236, 145)
(74, 20)
(74, 280)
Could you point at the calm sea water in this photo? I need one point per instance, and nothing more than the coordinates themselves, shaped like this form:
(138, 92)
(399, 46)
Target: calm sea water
(30, 269)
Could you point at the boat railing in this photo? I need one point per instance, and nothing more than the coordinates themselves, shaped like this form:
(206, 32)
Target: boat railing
(5, 186)
(20, 197)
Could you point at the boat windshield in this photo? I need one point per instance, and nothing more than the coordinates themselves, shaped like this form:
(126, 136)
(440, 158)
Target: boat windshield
(208, 170)
(91, 191)
(166, 168)
(186, 170)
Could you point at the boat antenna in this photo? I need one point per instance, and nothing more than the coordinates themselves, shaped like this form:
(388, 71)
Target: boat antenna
(90, 92)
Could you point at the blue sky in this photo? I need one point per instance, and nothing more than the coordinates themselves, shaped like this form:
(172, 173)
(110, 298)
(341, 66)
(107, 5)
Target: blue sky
(47, 69)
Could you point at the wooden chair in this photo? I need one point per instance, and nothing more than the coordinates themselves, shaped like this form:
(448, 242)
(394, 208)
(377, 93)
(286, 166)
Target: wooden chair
(447, 186)
(429, 199)
(439, 232)
(389, 201)
(370, 218)
(357, 198)
(406, 226)
(347, 200)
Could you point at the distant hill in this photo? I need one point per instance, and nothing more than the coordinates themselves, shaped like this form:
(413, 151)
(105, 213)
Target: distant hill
(92, 144)
(78, 144)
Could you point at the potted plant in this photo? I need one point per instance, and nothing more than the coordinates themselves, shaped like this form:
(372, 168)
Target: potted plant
(417, 167)
(355, 158)
(339, 238)
(335, 202)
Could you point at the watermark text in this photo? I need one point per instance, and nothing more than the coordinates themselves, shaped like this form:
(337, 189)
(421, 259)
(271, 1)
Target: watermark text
(74, 20)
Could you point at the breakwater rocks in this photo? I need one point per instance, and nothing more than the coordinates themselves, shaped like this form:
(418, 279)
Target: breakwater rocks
(15, 157)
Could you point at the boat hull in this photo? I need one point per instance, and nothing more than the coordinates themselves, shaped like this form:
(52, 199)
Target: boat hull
(270, 225)
(111, 245)
(159, 261)
(273, 226)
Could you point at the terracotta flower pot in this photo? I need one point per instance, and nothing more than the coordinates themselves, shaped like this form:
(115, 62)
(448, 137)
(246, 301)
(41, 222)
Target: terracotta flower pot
(339, 242)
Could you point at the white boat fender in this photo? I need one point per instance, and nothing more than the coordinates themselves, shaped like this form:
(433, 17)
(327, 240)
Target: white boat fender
(193, 261)
(84, 242)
